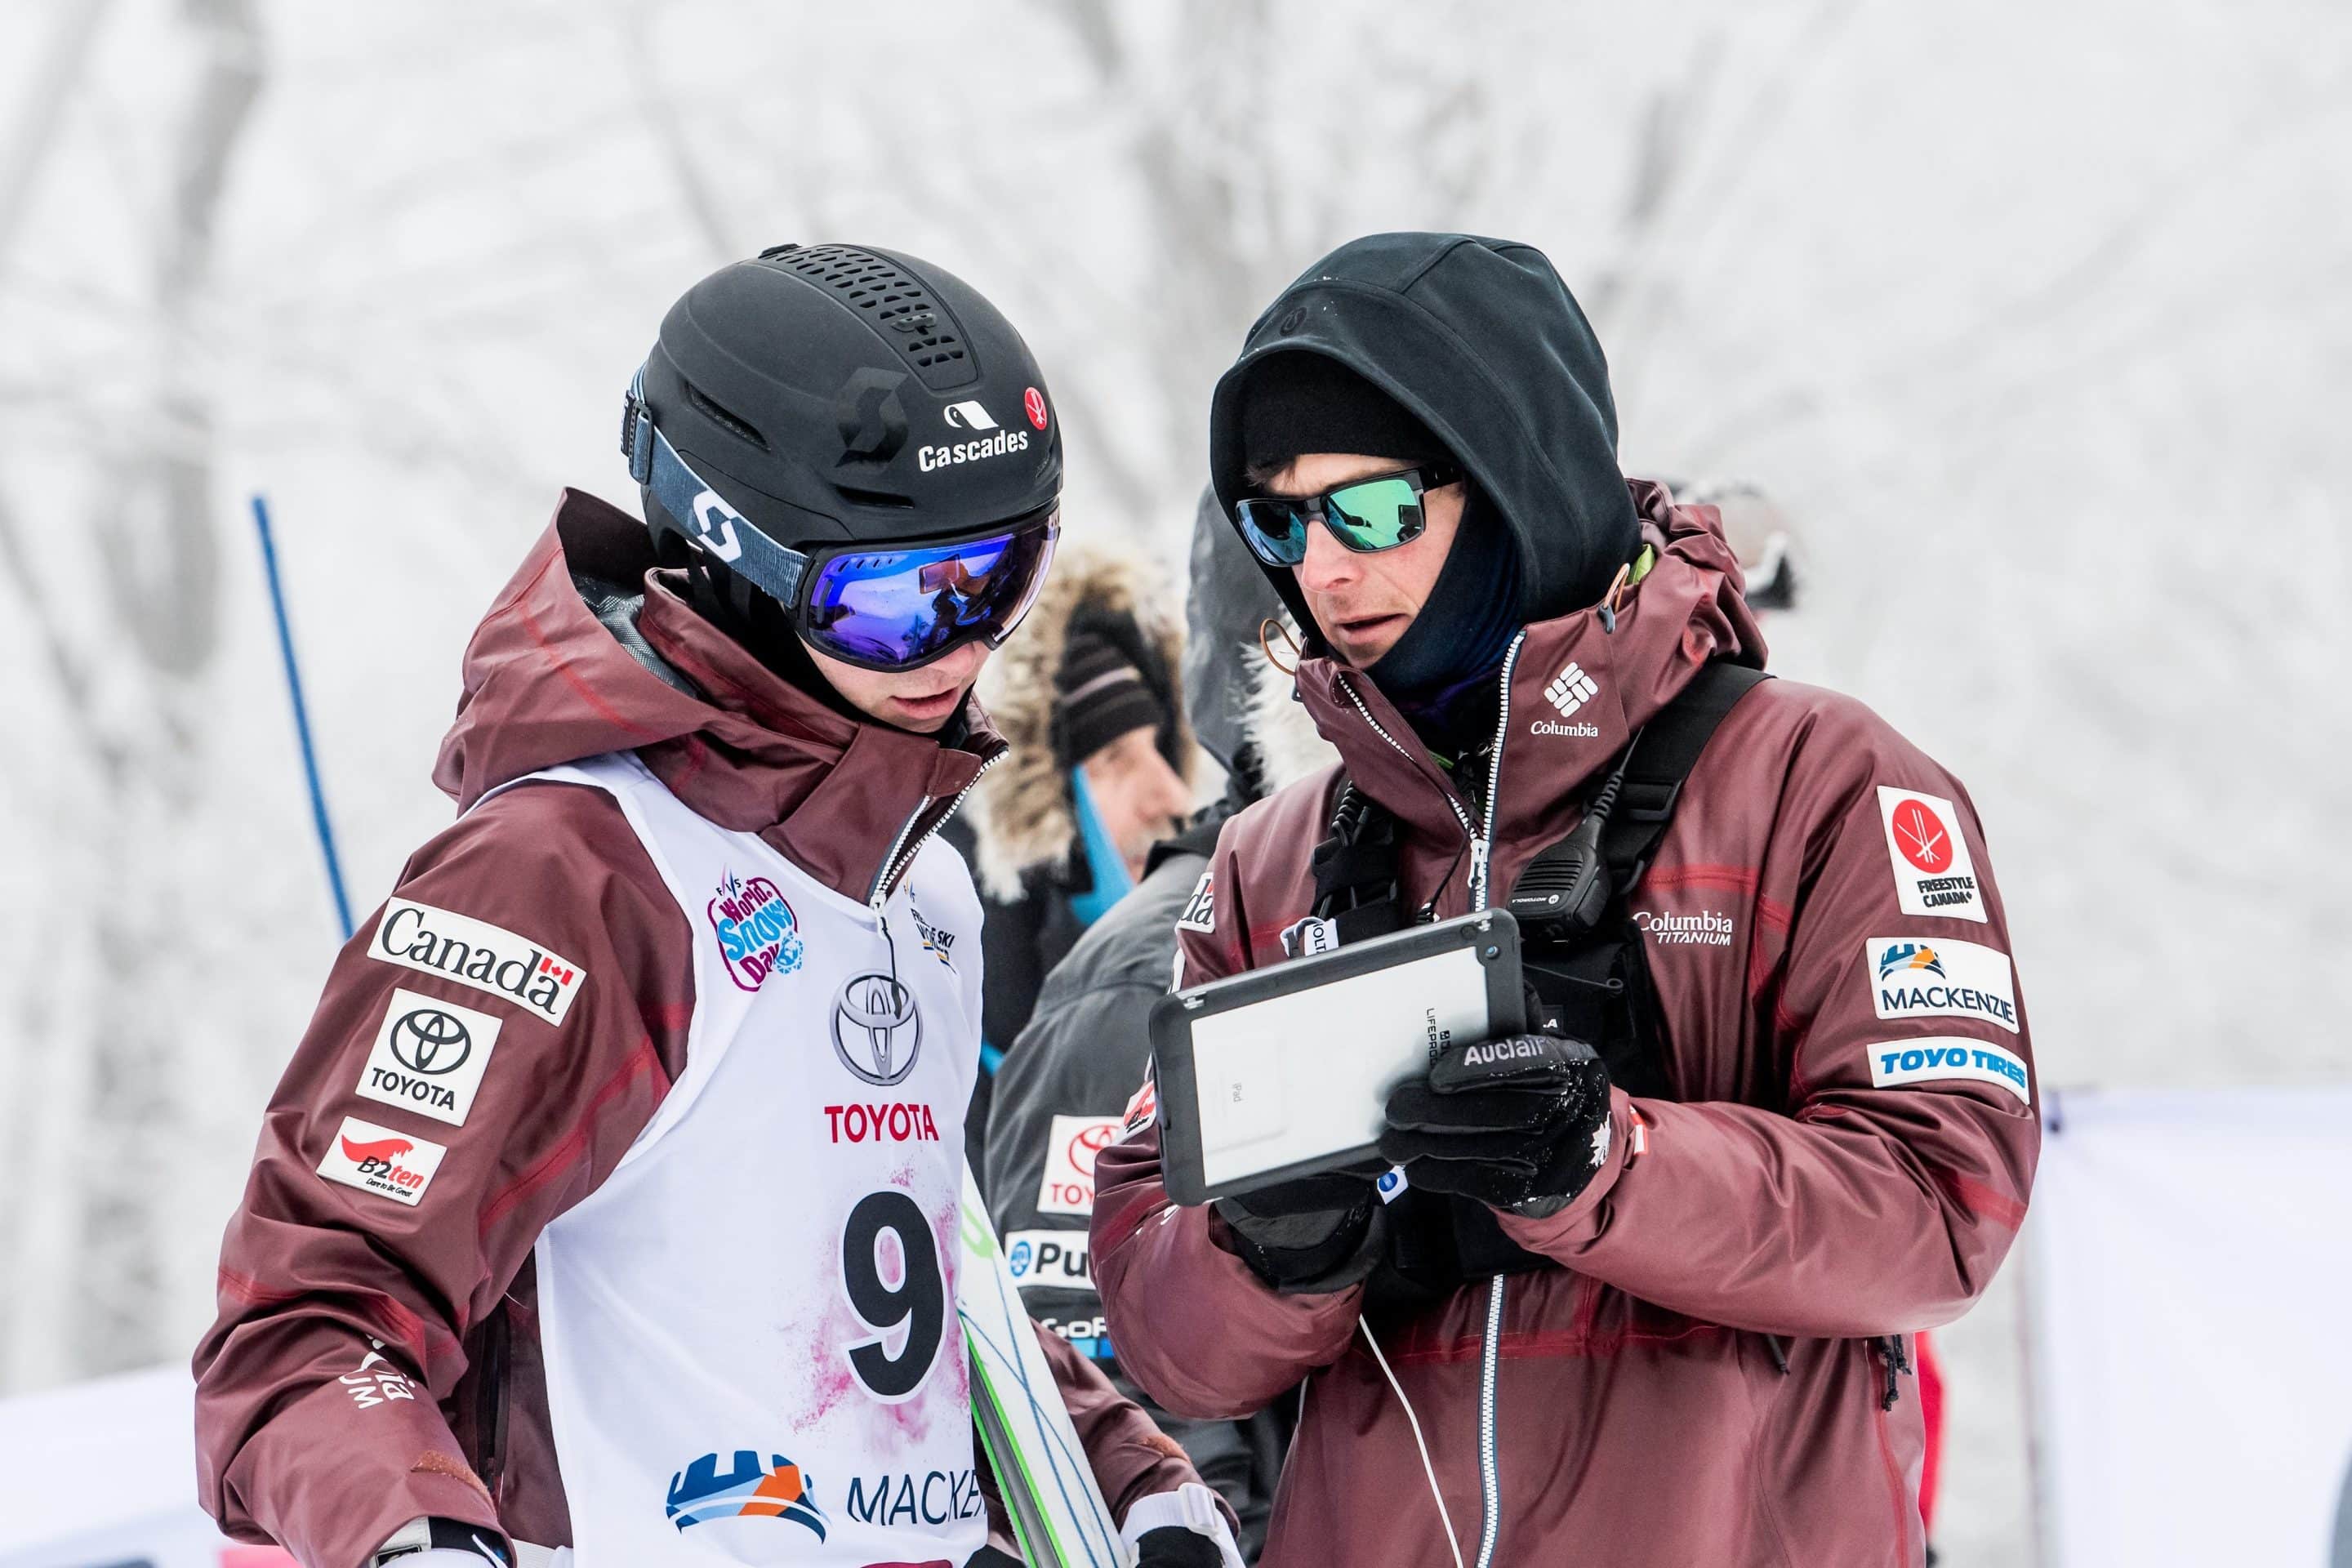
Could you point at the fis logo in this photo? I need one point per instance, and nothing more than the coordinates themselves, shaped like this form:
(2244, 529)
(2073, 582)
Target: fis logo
(702, 1492)
(1910, 955)
(970, 416)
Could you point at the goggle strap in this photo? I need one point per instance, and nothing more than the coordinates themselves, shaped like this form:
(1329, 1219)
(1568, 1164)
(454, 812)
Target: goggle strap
(716, 527)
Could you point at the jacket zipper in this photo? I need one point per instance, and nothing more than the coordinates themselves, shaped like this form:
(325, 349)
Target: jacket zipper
(1481, 837)
(893, 862)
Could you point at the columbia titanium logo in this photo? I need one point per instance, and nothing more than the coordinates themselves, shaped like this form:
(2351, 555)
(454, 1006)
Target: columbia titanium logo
(873, 1017)
(1570, 689)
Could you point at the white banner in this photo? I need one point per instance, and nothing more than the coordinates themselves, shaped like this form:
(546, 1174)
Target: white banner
(2191, 1255)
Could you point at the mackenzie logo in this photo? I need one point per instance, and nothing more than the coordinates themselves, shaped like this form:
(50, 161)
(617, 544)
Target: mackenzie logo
(1570, 689)
(758, 935)
(777, 1489)
(1909, 955)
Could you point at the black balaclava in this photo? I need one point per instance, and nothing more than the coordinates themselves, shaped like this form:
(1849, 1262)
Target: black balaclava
(1300, 403)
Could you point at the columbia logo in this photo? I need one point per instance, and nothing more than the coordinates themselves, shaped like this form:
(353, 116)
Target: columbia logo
(1570, 689)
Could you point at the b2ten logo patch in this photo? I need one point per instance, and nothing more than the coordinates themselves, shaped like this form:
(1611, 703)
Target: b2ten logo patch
(429, 1056)
(379, 1160)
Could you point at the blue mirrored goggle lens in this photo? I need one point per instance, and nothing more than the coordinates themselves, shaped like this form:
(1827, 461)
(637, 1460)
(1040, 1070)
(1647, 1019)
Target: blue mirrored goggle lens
(900, 608)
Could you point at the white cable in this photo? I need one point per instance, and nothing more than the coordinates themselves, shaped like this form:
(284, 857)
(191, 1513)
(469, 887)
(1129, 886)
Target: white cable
(1426, 1468)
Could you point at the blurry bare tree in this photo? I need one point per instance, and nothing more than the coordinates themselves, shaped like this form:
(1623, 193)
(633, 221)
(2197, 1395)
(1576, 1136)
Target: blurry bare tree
(136, 685)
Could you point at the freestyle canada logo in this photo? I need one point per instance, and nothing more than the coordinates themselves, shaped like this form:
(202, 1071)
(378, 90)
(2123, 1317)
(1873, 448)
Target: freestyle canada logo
(476, 954)
(747, 1489)
(380, 1160)
(1934, 874)
(758, 933)
(1033, 403)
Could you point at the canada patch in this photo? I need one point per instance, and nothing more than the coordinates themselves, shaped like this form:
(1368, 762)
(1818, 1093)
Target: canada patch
(1201, 910)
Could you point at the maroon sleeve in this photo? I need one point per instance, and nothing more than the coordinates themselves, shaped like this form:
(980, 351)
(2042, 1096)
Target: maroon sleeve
(1194, 1327)
(1132, 1458)
(1884, 1196)
(343, 1308)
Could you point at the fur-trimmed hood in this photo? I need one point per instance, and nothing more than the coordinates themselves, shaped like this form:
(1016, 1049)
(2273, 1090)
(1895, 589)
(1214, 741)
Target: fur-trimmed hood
(1022, 815)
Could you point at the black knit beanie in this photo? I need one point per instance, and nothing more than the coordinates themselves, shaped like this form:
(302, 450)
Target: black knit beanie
(1099, 691)
(1300, 403)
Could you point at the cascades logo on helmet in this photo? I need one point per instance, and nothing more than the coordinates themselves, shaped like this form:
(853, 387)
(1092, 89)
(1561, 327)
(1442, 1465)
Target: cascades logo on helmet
(970, 416)
(931, 458)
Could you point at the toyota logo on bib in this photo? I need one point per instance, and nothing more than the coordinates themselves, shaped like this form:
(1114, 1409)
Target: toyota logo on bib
(431, 1041)
(876, 1032)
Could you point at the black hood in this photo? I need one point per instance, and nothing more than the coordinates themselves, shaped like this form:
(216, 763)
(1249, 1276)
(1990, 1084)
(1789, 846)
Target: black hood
(1229, 600)
(1481, 340)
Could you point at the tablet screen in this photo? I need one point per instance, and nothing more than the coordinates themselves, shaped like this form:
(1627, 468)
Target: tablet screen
(1301, 1076)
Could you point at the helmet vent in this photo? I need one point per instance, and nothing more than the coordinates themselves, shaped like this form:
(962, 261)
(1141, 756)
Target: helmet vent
(733, 423)
(921, 328)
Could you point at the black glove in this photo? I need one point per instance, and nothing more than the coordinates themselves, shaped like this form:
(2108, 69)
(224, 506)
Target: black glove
(1520, 1123)
(1310, 1235)
(1173, 1546)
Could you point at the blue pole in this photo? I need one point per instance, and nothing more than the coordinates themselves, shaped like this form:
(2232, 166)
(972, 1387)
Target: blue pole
(301, 718)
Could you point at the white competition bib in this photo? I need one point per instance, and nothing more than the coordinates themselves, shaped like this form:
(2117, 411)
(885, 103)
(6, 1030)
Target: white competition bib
(752, 1347)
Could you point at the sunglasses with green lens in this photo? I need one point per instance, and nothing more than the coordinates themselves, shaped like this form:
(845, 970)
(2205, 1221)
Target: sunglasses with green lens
(1376, 513)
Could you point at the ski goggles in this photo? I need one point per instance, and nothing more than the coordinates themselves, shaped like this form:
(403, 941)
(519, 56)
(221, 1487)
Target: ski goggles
(1366, 515)
(891, 608)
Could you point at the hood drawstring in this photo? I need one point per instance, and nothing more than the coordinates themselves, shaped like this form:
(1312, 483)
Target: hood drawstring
(1897, 1359)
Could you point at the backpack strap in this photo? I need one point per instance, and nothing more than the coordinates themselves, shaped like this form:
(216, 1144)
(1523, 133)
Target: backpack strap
(1662, 757)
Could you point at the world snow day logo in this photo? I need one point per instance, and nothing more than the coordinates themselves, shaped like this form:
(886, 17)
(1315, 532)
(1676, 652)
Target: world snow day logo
(747, 1489)
(758, 933)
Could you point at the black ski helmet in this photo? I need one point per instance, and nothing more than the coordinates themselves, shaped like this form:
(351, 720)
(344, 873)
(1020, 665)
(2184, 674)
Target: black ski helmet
(836, 394)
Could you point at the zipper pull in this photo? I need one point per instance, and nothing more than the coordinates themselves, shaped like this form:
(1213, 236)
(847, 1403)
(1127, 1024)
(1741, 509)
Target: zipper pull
(1478, 848)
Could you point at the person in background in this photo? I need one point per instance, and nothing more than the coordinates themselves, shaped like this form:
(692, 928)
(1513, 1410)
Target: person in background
(1098, 766)
(1064, 1088)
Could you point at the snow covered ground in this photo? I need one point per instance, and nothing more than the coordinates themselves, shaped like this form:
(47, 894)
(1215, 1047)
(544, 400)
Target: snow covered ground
(2035, 317)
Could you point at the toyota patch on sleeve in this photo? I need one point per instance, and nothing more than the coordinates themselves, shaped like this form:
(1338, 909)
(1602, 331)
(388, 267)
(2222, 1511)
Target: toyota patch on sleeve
(429, 1056)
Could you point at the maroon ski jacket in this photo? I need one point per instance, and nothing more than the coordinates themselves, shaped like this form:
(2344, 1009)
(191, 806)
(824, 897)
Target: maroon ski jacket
(372, 1363)
(1845, 1155)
